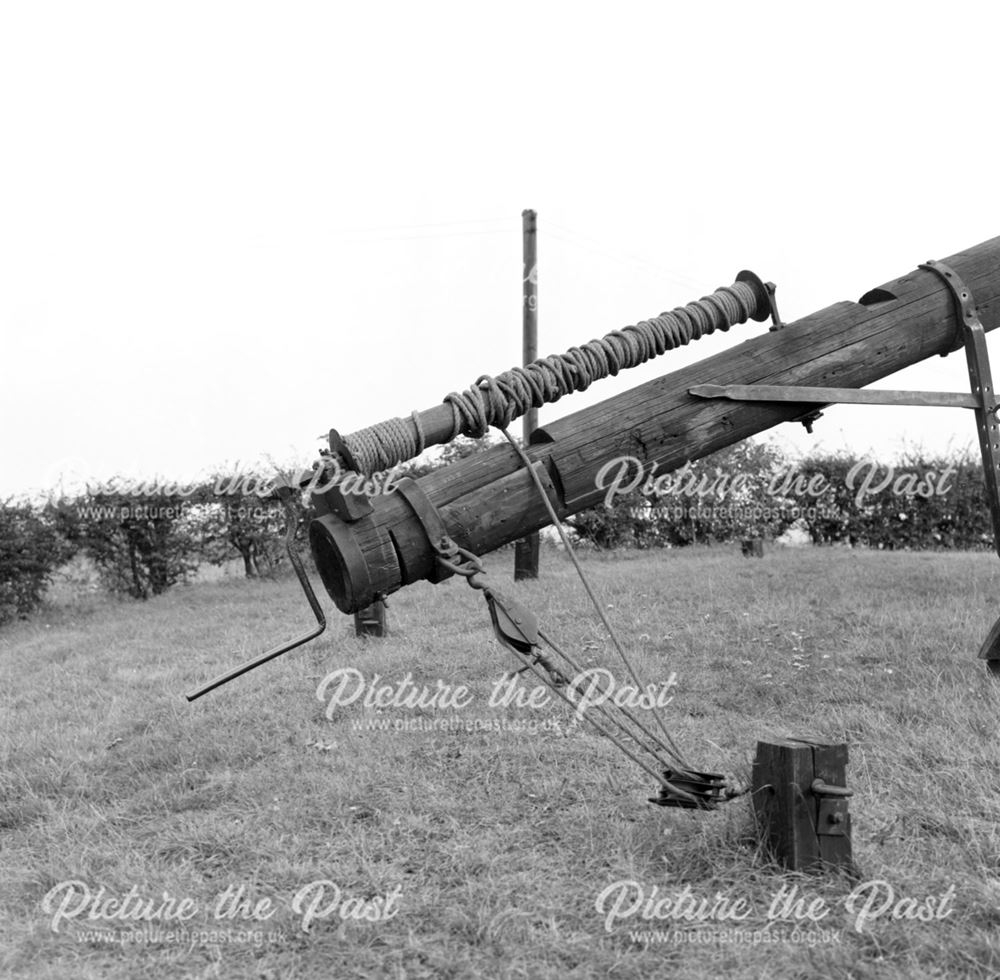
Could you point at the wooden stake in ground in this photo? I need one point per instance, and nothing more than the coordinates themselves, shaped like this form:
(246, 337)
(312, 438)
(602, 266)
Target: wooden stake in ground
(371, 620)
(800, 800)
(527, 549)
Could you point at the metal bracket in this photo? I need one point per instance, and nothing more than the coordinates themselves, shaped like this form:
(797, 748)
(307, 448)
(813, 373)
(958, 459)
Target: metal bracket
(828, 396)
(430, 520)
(831, 814)
(349, 507)
(981, 381)
(965, 306)
(768, 289)
(809, 420)
(831, 820)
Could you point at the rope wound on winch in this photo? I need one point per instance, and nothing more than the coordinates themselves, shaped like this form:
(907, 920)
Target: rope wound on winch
(497, 401)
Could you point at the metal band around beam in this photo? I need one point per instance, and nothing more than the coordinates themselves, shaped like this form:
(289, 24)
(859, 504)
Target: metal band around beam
(981, 381)
(433, 526)
(830, 396)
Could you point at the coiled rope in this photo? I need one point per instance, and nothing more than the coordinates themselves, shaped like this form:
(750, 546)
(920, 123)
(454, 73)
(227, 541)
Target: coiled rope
(498, 401)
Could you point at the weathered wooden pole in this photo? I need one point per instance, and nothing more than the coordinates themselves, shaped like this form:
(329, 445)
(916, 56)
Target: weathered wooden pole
(527, 548)
(489, 500)
(370, 621)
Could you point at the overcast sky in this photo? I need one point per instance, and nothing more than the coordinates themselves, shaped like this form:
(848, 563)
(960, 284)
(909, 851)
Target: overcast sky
(227, 227)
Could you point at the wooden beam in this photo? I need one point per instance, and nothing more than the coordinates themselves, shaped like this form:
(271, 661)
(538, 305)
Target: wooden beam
(488, 500)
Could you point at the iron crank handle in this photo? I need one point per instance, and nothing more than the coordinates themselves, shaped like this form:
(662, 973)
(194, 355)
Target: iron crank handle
(284, 493)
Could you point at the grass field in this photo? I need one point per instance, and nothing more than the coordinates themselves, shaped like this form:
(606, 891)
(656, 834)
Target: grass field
(483, 853)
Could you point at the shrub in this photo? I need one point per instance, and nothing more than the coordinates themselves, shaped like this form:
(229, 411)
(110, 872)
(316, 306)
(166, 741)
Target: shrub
(31, 549)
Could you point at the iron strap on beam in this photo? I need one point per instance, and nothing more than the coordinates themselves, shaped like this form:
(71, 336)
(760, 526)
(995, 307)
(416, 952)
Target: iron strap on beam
(829, 396)
(981, 381)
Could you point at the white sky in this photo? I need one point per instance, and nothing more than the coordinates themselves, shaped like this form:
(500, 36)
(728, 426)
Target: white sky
(227, 227)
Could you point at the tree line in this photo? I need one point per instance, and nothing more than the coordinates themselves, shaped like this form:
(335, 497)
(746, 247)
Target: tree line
(144, 539)
(140, 542)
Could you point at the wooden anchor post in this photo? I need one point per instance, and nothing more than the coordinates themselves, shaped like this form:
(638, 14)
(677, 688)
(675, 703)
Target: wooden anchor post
(800, 801)
(370, 621)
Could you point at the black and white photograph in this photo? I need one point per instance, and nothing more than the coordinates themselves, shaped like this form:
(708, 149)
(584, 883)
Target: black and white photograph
(499, 492)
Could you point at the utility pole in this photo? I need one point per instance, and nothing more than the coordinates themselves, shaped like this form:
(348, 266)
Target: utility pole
(526, 550)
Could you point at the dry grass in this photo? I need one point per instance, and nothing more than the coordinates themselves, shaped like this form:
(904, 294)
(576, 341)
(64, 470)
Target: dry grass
(499, 842)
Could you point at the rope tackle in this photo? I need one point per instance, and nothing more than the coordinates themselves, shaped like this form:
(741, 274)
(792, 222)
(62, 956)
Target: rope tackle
(517, 629)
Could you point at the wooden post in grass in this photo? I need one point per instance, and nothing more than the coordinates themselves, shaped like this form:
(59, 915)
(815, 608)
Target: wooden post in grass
(526, 549)
(800, 800)
(370, 621)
